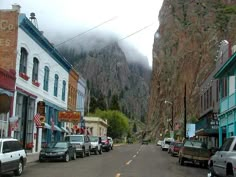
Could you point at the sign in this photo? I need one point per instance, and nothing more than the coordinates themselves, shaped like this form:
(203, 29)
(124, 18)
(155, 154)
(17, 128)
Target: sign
(68, 116)
(5, 103)
(41, 108)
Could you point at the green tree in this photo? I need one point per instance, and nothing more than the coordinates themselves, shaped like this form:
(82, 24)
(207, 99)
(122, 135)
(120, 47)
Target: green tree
(134, 128)
(117, 121)
(115, 103)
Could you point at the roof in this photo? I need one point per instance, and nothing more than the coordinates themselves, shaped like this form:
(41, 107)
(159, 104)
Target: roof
(26, 25)
(226, 67)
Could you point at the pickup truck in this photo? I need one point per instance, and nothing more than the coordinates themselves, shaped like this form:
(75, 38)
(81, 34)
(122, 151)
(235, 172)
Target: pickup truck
(194, 151)
(223, 162)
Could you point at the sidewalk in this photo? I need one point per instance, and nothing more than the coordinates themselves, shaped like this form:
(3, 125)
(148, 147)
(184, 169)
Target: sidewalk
(32, 157)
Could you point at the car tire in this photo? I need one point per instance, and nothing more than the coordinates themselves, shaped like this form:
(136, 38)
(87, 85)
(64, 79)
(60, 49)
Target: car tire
(181, 161)
(88, 153)
(96, 151)
(83, 154)
(41, 160)
(19, 169)
(112, 147)
(74, 156)
(100, 151)
(67, 157)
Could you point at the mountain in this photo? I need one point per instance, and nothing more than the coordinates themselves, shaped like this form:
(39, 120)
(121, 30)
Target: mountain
(184, 51)
(110, 72)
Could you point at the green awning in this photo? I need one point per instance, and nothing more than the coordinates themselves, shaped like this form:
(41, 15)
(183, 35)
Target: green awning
(225, 68)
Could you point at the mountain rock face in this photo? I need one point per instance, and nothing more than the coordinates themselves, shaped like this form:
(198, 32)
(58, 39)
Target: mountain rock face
(109, 73)
(184, 52)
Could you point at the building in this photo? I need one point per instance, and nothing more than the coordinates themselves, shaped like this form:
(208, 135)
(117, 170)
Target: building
(8, 43)
(208, 125)
(227, 114)
(81, 94)
(32, 71)
(72, 98)
(96, 126)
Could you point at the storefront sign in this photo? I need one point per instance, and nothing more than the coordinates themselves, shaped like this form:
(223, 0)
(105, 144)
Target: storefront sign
(69, 116)
(5, 103)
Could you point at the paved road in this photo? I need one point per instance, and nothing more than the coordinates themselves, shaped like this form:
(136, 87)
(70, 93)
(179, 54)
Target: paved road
(124, 161)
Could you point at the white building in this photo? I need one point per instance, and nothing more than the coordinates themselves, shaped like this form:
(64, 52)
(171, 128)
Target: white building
(96, 126)
(42, 74)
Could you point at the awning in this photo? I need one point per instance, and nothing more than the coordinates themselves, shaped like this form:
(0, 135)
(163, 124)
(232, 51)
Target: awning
(3, 91)
(47, 126)
(65, 130)
(57, 128)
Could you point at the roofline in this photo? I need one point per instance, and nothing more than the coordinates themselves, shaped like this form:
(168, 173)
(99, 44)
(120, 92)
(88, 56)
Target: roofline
(224, 68)
(25, 24)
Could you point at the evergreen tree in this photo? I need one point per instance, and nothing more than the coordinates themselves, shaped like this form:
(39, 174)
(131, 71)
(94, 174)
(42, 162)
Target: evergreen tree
(114, 103)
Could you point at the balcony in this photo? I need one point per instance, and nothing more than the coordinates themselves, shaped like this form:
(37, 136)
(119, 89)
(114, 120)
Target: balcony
(227, 103)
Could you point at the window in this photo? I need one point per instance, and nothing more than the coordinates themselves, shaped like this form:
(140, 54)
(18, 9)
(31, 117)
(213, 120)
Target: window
(35, 70)
(56, 85)
(63, 91)
(46, 78)
(217, 90)
(231, 85)
(201, 103)
(210, 95)
(23, 60)
(226, 145)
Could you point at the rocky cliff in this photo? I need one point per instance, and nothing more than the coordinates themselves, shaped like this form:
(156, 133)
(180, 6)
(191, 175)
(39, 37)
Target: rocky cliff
(184, 52)
(109, 72)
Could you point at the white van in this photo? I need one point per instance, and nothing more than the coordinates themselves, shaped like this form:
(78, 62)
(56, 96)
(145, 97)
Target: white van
(166, 143)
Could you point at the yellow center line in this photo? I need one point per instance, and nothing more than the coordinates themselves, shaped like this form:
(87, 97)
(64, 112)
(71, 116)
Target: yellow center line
(118, 175)
(128, 162)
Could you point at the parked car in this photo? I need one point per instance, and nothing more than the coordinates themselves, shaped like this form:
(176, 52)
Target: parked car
(58, 151)
(96, 144)
(106, 146)
(159, 142)
(12, 156)
(166, 143)
(82, 144)
(111, 142)
(145, 141)
(223, 163)
(194, 151)
(175, 148)
(171, 147)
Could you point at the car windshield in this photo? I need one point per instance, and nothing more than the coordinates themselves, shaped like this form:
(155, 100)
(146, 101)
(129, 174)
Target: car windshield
(178, 144)
(59, 145)
(74, 138)
(167, 142)
(93, 138)
(196, 144)
(104, 138)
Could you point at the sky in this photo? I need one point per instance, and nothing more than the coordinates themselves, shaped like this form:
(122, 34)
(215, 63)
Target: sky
(73, 17)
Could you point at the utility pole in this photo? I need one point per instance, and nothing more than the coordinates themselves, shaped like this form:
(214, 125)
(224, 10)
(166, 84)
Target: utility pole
(172, 116)
(185, 116)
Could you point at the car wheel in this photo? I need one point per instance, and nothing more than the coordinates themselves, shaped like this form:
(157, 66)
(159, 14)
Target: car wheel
(83, 154)
(211, 172)
(41, 160)
(96, 151)
(100, 152)
(88, 153)
(111, 147)
(67, 158)
(181, 161)
(19, 169)
(74, 156)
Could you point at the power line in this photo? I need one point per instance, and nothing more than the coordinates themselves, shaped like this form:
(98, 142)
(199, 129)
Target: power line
(87, 31)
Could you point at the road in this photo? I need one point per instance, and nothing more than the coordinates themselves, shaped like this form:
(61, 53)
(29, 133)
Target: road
(124, 161)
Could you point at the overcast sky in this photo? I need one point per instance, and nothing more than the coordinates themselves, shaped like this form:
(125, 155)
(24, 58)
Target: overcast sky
(75, 16)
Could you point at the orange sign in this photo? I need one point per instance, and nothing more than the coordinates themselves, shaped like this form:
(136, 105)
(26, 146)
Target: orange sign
(68, 116)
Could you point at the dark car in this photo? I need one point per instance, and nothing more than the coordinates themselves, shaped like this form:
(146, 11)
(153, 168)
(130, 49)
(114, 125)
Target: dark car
(106, 146)
(58, 151)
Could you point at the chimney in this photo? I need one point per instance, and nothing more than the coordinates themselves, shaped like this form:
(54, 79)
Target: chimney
(16, 7)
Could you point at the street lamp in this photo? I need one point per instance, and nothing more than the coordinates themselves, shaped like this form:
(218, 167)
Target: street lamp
(172, 113)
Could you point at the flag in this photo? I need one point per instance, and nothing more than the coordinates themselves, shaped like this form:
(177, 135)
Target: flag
(52, 124)
(37, 120)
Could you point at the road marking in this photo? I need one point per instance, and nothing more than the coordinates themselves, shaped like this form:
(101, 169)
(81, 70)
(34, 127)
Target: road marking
(118, 175)
(128, 162)
(134, 156)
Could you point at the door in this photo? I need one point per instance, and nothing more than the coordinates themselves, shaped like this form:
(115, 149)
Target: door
(220, 161)
(7, 158)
